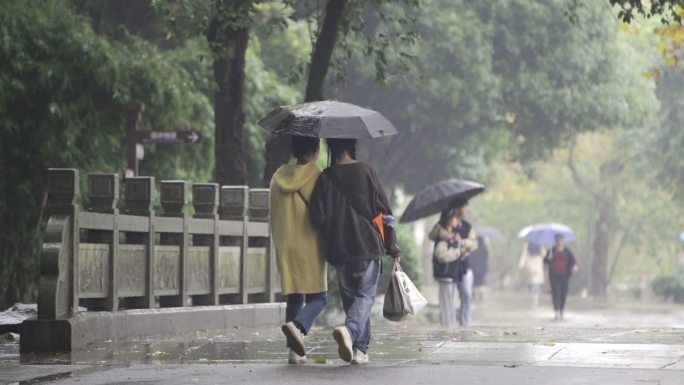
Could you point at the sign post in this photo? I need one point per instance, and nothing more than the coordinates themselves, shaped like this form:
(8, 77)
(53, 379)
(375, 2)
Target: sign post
(136, 138)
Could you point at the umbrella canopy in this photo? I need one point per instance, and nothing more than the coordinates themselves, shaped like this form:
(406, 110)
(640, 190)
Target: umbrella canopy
(437, 197)
(545, 233)
(328, 119)
(490, 233)
(681, 236)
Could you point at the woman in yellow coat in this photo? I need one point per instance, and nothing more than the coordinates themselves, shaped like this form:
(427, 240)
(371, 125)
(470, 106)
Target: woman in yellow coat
(297, 245)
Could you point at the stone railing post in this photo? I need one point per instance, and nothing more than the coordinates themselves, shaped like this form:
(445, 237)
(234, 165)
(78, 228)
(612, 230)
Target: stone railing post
(58, 288)
(205, 200)
(173, 200)
(104, 197)
(259, 212)
(235, 206)
(139, 200)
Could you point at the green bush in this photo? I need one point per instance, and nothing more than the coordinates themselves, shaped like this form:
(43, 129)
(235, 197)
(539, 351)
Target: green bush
(669, 286)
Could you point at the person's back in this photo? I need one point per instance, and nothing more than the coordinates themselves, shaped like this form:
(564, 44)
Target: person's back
(297, 245)
(348, 197)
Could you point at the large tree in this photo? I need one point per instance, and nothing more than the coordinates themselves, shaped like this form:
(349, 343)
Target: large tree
(226, 25)
(512, 77)
(348, 28)
(61, 94)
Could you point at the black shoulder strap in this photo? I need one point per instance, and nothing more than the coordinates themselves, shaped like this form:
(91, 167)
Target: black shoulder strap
(303, 199)
(333, 180)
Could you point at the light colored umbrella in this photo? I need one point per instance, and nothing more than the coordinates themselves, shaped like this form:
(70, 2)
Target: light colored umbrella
(681, 236)
(545, 233)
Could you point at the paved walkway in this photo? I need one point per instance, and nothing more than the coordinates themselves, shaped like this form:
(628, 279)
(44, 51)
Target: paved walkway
(507, 344)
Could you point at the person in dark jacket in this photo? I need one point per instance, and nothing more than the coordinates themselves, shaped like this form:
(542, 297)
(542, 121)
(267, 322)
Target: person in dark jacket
(561, 264)
(347, 197)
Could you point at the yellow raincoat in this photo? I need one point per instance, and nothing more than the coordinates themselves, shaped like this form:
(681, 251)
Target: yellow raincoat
(298, 247)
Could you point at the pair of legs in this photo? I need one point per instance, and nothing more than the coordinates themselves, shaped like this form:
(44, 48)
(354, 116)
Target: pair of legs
(559, 293)
(447, 300)
(302, 309)
(358, 282)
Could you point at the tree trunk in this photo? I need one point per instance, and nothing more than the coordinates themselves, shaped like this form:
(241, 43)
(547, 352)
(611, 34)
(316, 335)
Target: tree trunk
(277, 147)
(599, 264)
(228, 35)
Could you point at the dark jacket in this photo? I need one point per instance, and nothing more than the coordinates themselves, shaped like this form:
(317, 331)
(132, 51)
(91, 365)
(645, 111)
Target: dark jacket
(570, 262)
(348, 234)
(456, 269)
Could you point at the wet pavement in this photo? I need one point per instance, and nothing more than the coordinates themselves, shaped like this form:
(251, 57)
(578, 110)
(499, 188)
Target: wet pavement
(596, 342)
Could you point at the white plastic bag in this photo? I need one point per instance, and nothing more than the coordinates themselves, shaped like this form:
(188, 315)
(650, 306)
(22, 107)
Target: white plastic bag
(412, 298)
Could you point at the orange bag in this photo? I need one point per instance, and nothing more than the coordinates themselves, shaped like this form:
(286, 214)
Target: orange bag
(379, 223)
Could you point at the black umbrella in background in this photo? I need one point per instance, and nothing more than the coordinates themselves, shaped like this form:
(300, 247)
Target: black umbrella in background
(328, 119)
(437, 197)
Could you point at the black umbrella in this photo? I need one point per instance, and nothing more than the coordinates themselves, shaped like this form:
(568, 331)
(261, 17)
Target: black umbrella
(438, 197)
(328, 119)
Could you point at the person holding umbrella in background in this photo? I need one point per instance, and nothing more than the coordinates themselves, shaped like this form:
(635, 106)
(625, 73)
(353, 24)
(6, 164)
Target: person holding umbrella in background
(561, 264)
(559, 259)
(454, 240)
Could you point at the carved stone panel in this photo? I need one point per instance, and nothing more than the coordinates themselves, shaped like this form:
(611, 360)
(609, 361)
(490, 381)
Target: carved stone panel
(93, 270)
(166, 269)
(256, 267)
(199, 280)
(229, 268)
(131, 270)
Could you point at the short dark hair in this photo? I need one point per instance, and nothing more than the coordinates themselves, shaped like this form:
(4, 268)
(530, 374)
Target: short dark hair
(445, 217)
(338, 146)
(303, 145)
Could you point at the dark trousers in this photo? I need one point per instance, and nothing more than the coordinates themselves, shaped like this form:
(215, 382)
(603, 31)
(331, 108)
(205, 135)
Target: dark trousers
(302, 309)
(559, 291)
(358, 281)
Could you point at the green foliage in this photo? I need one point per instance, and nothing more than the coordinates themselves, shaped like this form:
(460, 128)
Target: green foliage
(61, 91)
(669, 286)
(511, 77)
(627, 10)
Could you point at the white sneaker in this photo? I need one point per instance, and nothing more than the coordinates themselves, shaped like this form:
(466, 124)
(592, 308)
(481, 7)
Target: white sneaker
(294, 338)
(360, 358)
(344, 343)
(295, 358)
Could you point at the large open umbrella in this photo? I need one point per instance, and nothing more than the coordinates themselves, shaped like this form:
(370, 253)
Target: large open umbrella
(437, 197)
(328, 119)
(545, 233)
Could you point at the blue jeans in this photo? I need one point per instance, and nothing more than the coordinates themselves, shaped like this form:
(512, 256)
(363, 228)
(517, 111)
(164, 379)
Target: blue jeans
(302, 309)
(358, 281)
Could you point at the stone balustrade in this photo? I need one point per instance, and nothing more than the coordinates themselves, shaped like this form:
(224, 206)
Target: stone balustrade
(107, 254)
